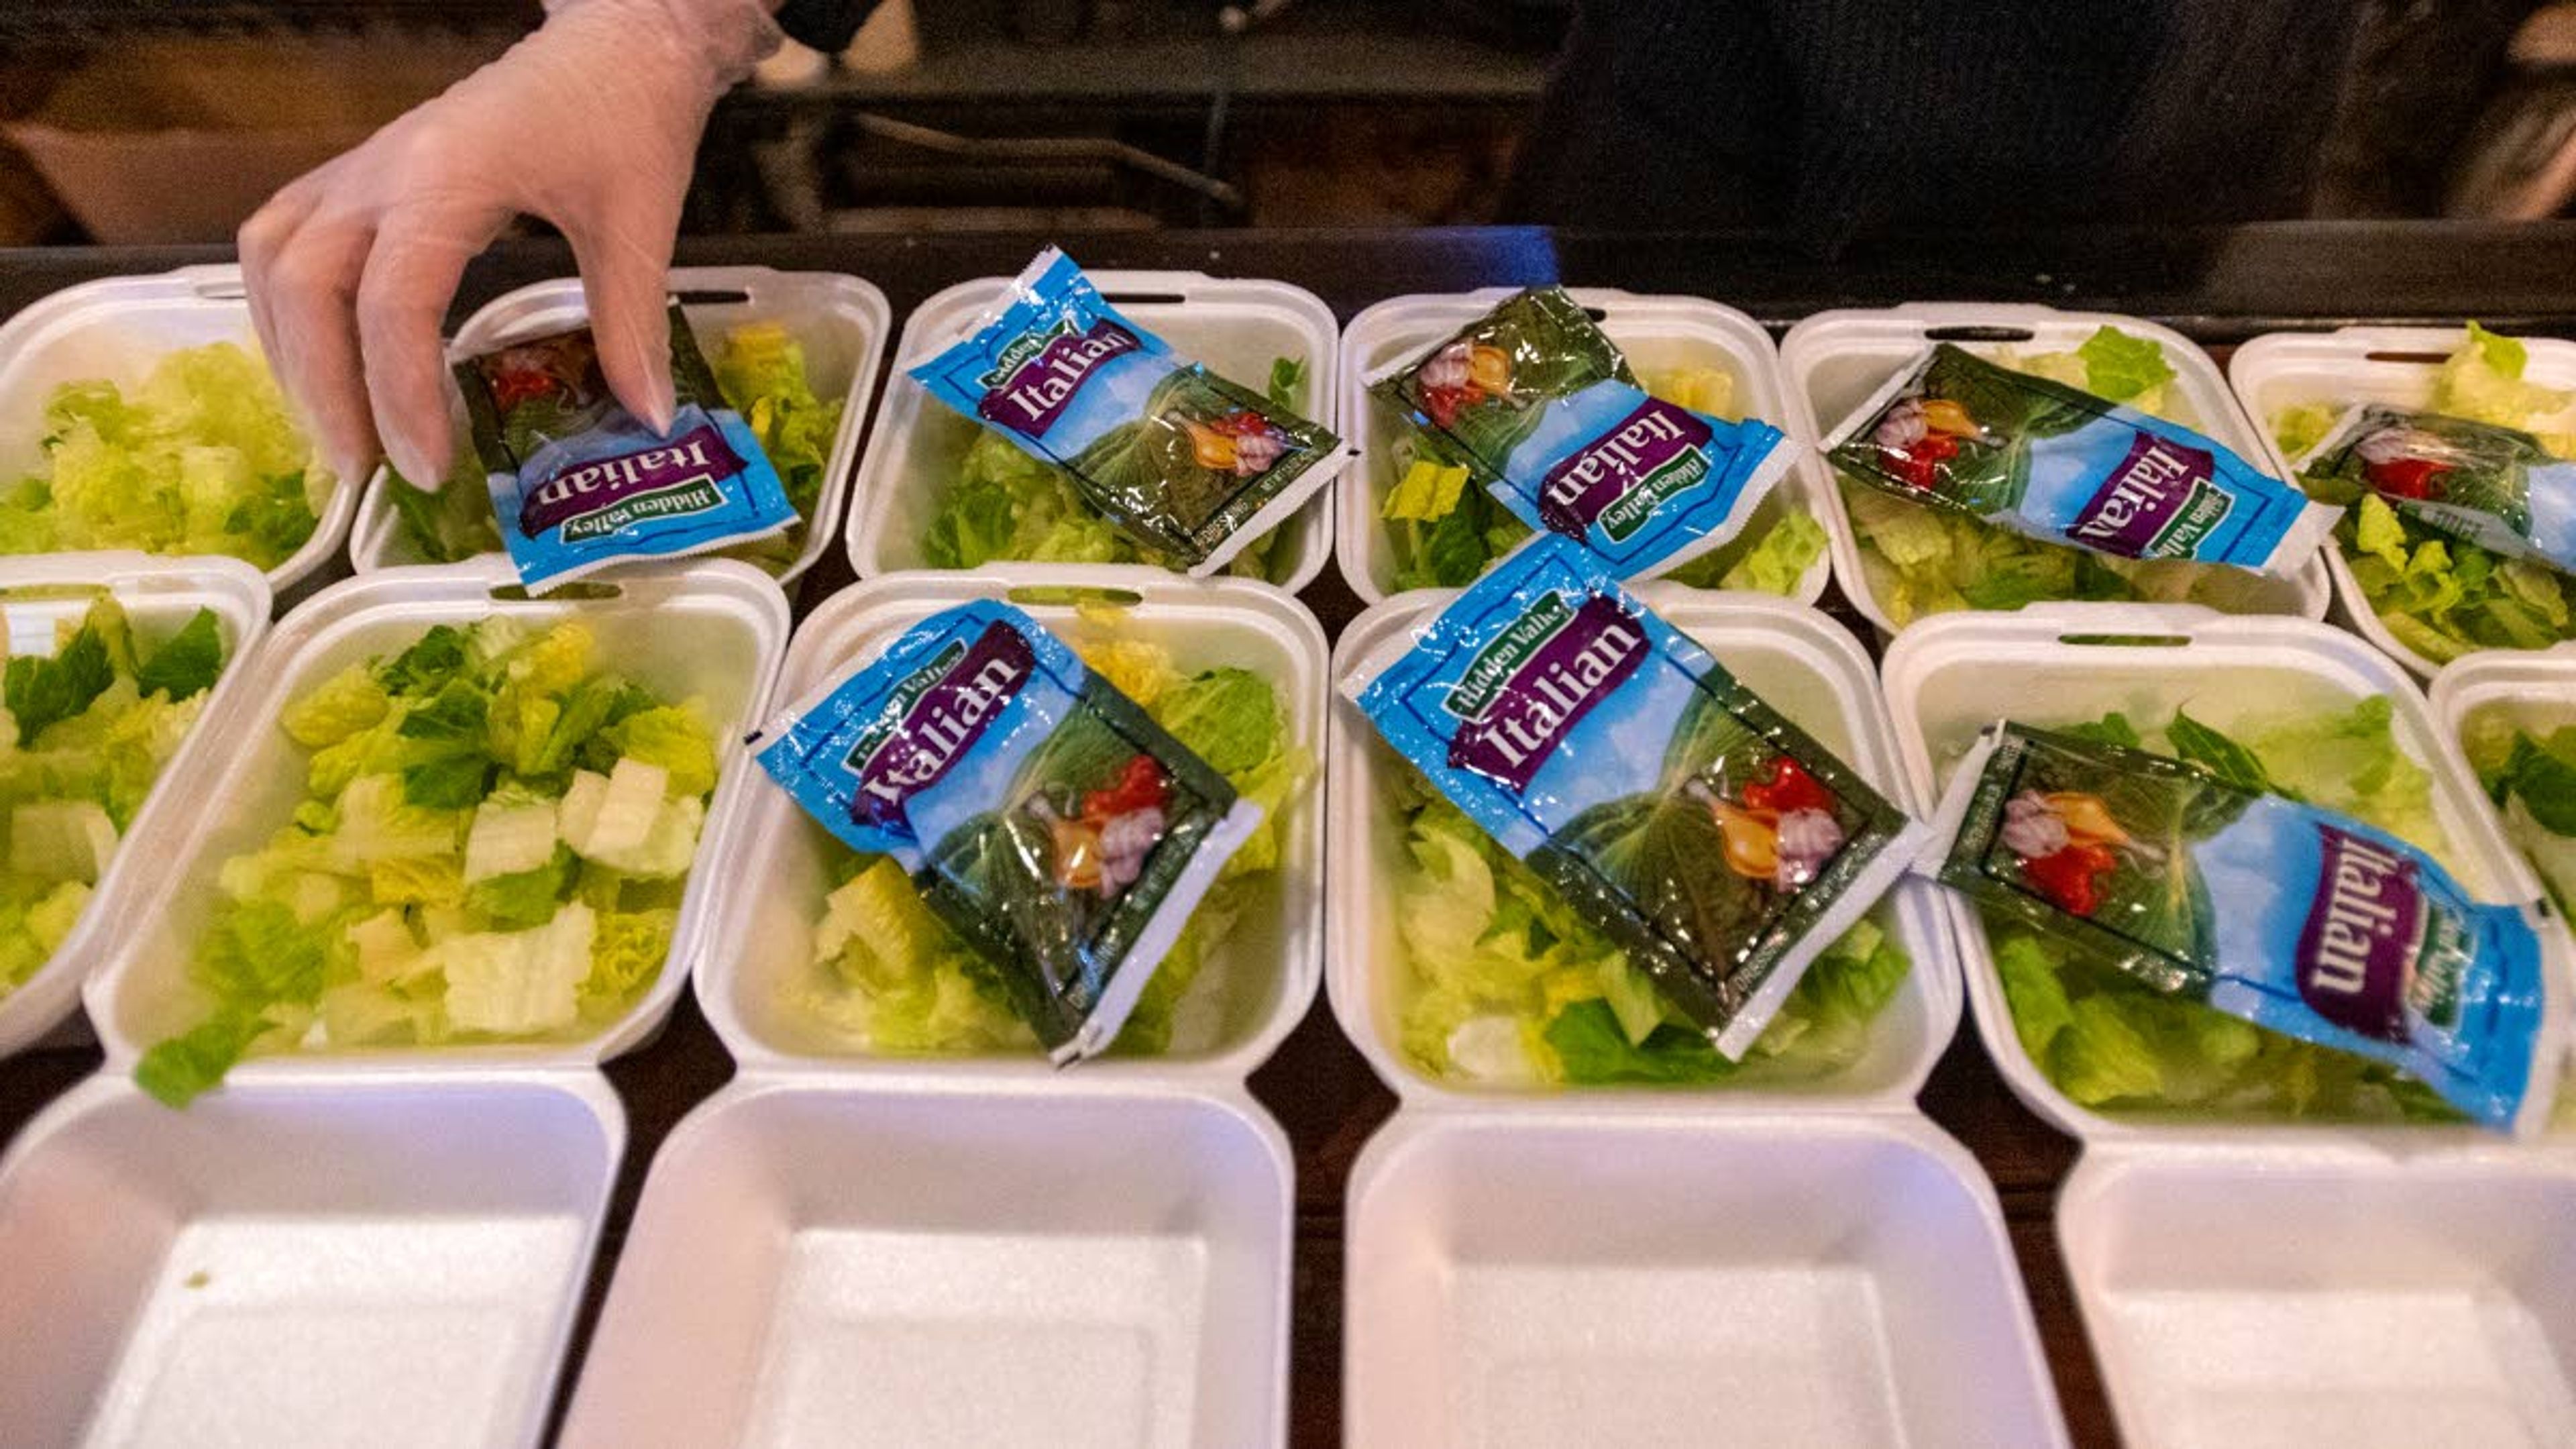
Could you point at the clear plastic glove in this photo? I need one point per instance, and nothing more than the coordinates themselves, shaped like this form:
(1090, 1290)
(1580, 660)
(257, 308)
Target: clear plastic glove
(591, 123)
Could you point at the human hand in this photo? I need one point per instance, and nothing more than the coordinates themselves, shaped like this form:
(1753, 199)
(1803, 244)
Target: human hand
(590, 123)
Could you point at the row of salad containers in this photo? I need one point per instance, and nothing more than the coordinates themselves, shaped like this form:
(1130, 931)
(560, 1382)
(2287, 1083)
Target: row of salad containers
(856, 1240)
(972, 1247)
(801, 354)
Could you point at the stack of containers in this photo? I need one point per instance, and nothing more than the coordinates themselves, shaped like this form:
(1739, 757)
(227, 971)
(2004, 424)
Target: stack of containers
(116, 328)
(2264, 1283)
(1790, 1262)
(839, 322)
(1656, 333)
(343, 1247)
(1236, 326)
(2364, 365)
(851, 1247)
(1835, 361)
(37, 595)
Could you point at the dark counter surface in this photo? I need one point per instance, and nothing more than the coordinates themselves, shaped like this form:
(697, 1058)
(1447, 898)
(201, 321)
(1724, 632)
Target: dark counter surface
(2218, 286)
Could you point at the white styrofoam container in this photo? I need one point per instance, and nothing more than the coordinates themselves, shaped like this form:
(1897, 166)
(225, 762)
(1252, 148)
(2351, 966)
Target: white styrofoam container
(116, 328)
(840, 321)
(1235, 326)
(300, 1264)
(2268, 1284)
(1256, 982)
(1811, 670)
(2357, 365)
(824, 1260)
(1552, 1279)
(712, 629)
(160, 595)
(1835, 360)
(1655, 332)
(867, 1250)
(1783, 1262)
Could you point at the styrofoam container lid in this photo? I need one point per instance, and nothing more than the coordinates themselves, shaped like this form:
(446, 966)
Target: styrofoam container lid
(839, 321)
(1655, 333)
(1835, 360)
(2359, 365)
(2061, 664)
(2536, 688)
(713, 629)
(160, 595)
(322, 1263)
(1235, 326)
(1811, 670)
(116, 328)
(1554, 1279)
(882, 1268)
(2287, 1295)
(1256, 982)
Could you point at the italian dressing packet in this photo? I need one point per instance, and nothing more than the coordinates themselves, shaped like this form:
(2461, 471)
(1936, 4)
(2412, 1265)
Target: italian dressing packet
(1545, 407)
(2297, 919)
(1181, 460)
(579, 483)
(1713, 840)
(2495, 486)
(2052, 462)
(1047, 819)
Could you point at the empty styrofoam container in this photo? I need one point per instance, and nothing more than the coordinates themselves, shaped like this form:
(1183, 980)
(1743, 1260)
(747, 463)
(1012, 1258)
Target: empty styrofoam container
(116, 328)
(1551, 1279)
(1834, 361)
(2351, 365)
(1811, 670)
(316, 1263)
(712, 629)
(840, 323)
(1235, 326)
(2325, 1293)
(1656, 334)
(1256, 981)
(160, 596)
(818, 1262)
(2065, 664)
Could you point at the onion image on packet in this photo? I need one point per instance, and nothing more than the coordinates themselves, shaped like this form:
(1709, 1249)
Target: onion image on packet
(1708, 836)
(1545, 408)
(2495, 486)
(578, 483)
(2052, 462)
(2295, 918)
(1180, 459)
(1063, 834)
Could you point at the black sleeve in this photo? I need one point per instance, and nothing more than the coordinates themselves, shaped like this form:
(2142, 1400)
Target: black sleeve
(826, 25)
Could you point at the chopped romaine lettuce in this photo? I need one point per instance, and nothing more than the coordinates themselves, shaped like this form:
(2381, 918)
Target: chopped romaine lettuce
(2532, 778)
(888, 976)
(459, 870)
(2112, 1044)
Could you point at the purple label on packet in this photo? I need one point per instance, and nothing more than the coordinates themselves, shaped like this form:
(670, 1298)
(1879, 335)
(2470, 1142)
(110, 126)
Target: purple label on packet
(1558, 681)
(2361, 937)
(949, 713)
(696, 459)
(1624, 460)
(2159, 502)
(1030, 400)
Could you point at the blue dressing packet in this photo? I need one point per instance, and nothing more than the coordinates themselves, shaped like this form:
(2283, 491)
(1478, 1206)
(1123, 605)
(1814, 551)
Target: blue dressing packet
(1713, 840)
(1188, 464)
(2495, 486)
(1546, 408)
(578, 483)
(2298, 919)
(1046, 818)
(2051, 462)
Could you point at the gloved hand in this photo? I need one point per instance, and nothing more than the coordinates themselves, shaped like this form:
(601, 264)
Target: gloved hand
(590, 123)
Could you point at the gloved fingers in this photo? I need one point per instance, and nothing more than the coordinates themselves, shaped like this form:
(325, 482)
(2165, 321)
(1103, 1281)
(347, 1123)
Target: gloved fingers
(625, 263)
(411, 276)
(302, 288)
